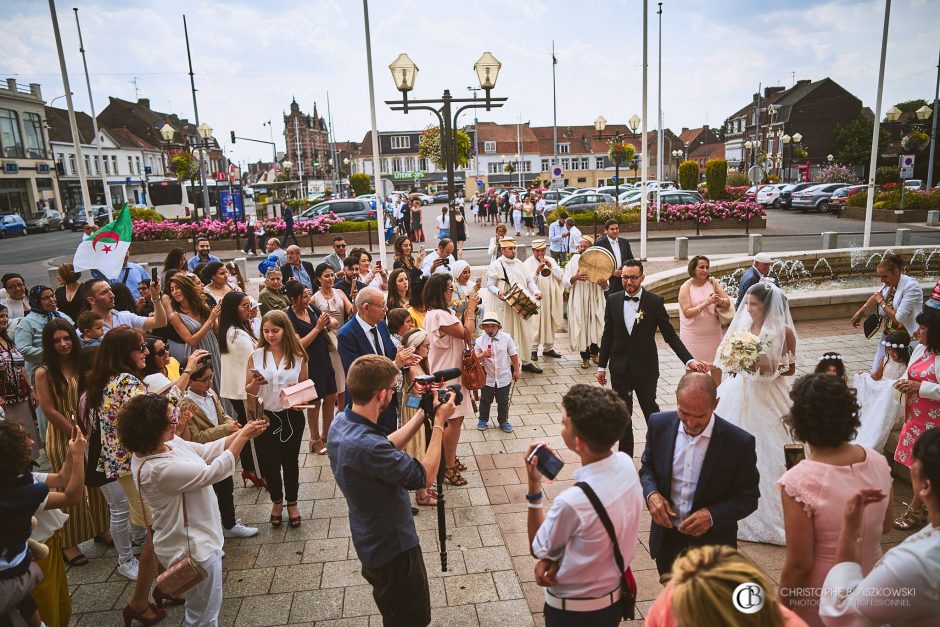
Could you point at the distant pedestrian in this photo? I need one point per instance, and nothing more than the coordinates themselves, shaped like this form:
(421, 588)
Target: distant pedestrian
(250, 243)
(289, 225)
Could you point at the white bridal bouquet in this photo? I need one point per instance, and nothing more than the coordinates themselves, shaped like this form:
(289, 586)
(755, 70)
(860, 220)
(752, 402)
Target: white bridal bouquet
(740, 351)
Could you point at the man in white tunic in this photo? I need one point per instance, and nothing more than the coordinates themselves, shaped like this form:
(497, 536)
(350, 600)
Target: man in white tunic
(503, 273)
(586, 303)
(550, 318)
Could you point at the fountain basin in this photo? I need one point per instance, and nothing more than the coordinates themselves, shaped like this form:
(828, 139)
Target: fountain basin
(820, 285)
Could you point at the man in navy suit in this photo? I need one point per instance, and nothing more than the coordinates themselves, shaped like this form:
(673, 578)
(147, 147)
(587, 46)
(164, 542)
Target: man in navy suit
(752, 275)
(699, 474)
(619, 248)
(628, 345)
(367, 334)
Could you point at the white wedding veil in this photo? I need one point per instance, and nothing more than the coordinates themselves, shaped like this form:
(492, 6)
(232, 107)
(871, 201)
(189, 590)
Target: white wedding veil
(770, 320)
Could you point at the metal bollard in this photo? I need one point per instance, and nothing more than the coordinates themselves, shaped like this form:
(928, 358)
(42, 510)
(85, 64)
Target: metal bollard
(682, 248)
(830, 240)
(755, 243)
(933, 218)
(902, 237)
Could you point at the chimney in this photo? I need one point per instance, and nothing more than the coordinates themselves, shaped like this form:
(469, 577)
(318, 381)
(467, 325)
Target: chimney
(769, 91)
(684, 129)
(144, 102)
(804, 81)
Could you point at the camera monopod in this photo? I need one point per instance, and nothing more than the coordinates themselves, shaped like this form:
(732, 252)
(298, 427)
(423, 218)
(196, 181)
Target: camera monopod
(426, 386)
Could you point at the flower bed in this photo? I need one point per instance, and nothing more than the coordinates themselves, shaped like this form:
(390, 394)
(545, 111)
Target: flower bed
(732, 192)
(144, 230)
(705, 212)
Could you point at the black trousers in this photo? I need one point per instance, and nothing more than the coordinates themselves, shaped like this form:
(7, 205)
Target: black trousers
(224, 495)
(288, 235)
(487, 394)
(279, 452)
(242, 417)
(250, 244)
(645, 389)
(540, 223)
(400, 590)
(609, 616)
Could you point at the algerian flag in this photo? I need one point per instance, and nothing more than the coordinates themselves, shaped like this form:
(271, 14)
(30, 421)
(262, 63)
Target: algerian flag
(105, 249)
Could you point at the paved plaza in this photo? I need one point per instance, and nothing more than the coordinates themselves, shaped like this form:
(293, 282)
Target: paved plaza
(310, 575)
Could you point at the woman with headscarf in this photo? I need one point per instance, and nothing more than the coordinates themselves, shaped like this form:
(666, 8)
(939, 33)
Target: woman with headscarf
(463, 288)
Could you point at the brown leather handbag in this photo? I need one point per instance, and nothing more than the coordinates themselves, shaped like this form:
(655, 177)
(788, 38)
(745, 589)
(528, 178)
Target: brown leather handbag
(185, 573)
(472, 374)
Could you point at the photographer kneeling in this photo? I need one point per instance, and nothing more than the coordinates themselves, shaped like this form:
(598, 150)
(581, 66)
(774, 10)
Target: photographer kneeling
(375, 476)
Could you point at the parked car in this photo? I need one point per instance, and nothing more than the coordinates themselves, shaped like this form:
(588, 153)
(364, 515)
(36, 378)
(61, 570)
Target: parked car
(75, 219)
(11, 224)
(439, 197)
(45, 221)
(576, 203)
(840, 196)
(769, 195)
(653, 185)
(584, 190)
(424, 198)
(629, 196)
(816, 197)
(554, 196)
(669, 197)
(786, 194)
(916, 184)
(346, 208)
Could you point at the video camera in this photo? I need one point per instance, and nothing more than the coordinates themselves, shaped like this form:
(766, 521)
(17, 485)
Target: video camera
(427, 384)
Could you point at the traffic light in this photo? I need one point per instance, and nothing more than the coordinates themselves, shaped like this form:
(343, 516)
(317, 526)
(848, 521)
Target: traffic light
(233, 136)
(316, 158)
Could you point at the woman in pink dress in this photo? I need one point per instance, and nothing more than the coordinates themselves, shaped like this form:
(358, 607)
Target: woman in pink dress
(825, 415)
(447, 333)
(921, 405)
(699, 299)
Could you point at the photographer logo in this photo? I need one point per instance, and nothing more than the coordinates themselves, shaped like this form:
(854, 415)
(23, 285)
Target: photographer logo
(748, 598)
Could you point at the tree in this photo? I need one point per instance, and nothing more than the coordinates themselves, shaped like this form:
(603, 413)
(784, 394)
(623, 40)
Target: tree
(852, 142)
(360, 183)
(716, 175)
(186, 168)
(688, 174)
(429, 147)
(910, 106)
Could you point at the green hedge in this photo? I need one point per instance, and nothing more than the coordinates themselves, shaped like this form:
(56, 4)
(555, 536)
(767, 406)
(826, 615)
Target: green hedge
(716, 177)
(891, 200)
(150, 215)
(604, 212)
(352, 225)
(688, 174)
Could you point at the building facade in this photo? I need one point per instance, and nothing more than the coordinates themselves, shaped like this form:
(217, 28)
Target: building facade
(400, 165)
(308, 144)
(27, 179)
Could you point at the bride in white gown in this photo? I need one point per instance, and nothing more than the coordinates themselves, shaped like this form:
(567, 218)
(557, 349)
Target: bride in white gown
(757, 401)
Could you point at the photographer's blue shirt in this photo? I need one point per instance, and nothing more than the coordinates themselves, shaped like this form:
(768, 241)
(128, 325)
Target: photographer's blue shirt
(375, 478)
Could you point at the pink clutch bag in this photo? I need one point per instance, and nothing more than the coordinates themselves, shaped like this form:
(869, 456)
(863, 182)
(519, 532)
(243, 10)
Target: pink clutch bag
(299, 394)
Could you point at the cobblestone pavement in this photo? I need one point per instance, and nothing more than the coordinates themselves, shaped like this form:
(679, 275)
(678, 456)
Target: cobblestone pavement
(310, 575)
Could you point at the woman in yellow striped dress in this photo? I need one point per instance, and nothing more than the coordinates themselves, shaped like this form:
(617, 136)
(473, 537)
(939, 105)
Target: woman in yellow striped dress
(418, 340)
(58, 381)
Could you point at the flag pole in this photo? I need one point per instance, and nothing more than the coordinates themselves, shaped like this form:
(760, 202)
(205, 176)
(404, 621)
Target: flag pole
(79, 159)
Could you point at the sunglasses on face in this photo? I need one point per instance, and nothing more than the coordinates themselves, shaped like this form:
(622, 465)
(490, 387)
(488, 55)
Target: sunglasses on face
(142, 348)
(160, 353)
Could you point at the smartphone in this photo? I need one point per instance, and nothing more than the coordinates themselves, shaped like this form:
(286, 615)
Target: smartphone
(793, 454)
(548, 463)
(153, 275)
(257, 374)
(378, 264)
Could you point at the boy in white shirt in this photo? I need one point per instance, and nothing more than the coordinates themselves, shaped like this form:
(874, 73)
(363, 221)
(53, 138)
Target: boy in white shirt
(501, 363)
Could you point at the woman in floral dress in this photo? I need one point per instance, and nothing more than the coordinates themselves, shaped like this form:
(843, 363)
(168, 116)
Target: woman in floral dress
(921, 386)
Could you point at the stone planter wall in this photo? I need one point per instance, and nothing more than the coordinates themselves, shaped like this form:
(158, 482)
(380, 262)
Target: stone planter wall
(886, 215)
(683, 228)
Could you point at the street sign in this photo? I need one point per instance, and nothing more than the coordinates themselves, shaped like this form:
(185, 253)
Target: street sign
(417, 174)
(906, 163)
(613, 180)
(755, 174)
(557, 172)
(11, 168)
(480, 183)
(148, 170)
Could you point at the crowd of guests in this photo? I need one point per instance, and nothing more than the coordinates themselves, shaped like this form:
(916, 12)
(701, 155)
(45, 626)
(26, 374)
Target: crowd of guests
(141, 402)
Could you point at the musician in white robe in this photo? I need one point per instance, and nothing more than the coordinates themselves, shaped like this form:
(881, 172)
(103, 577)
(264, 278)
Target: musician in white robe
(551, 318)
(586, 303)
(501, 275)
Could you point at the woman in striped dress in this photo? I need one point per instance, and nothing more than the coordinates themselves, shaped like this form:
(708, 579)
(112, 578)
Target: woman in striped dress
(58, 380)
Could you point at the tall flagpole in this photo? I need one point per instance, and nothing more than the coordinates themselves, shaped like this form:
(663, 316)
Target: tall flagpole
(644, 146)
(379, 208)
(876, 131)
(660, 175)
(79, 159)
(94, 123)
(555, 111)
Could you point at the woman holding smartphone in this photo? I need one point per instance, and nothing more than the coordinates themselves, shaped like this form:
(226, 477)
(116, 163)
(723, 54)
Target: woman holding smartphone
(194, 320)
(278, 363)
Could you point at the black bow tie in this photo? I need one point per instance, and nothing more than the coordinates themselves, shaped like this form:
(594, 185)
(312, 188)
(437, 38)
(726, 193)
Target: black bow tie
(635, 299)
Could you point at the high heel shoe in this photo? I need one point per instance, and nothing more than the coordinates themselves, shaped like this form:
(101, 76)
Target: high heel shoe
(291, 521)
(160, 598)
(130, 615)
(256, 481)
(277, 520)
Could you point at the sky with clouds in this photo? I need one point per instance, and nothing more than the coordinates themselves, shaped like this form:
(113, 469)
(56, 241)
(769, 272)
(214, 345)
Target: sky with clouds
(251, 58)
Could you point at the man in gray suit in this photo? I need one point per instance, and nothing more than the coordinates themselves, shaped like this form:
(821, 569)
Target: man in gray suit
(752, 275)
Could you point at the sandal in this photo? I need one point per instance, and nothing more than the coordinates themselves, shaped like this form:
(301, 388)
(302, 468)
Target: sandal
(452, 475)
(277, 520)
(321, 450)
(427, 501)
(911, 519)
(292, 522)
(459, 465)
(76, 560)
(315, 445)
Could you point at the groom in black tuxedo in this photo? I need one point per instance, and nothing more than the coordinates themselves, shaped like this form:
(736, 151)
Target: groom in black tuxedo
(699, 474)
(629, 344)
